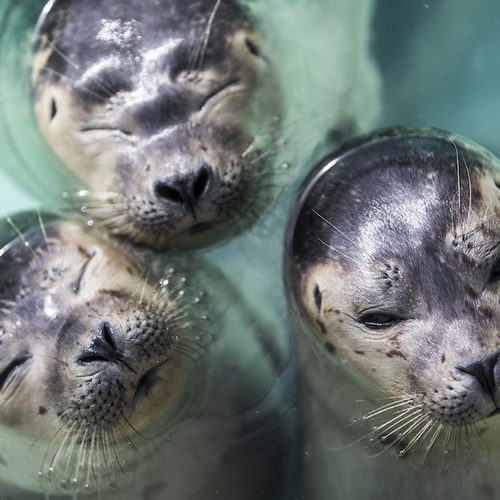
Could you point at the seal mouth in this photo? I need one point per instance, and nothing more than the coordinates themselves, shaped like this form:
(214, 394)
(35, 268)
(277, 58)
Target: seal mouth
(200, 227)
(494, 413)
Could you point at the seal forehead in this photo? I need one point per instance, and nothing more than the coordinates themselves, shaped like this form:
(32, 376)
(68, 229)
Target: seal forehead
(412, 188)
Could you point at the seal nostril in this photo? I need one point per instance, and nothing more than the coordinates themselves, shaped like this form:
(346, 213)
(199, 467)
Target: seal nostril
(102, 347)
(484, 372)
(201, 182)
(165, 191)
(107, 335)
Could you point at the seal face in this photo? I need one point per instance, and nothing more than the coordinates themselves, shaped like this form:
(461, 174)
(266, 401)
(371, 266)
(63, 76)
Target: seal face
(162, 109)
(93, 356)
(393, 262)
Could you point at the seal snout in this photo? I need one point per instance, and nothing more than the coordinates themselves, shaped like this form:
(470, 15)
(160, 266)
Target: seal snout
(185, 191)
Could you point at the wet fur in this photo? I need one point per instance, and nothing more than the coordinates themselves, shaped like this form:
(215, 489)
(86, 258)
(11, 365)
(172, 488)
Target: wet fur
(113, 375)
(164, 101)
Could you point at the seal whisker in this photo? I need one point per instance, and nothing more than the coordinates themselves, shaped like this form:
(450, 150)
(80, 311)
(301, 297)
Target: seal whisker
(400, 421)
(427, 427)
(76, 67)
(336, 250)
(334, 227)
(198, 55)
(430, 445)
(26, 243)
(396, 403)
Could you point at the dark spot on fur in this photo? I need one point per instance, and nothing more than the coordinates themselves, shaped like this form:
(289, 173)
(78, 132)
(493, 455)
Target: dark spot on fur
(394, 352)
(330, 348)
(129, 270)
(334, 311)
(42, 410)
(119, 294)
(443, 358)
(361, 353)
(321, 327)
(84, 252)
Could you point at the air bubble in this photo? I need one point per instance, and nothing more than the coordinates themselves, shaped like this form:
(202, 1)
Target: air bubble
(90, 223)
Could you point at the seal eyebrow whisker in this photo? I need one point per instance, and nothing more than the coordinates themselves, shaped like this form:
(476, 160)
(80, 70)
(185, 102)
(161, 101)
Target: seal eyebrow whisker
(469, 209)
(458, 172)
(199, 51)
(336, 250)
(26, 243)
(334, 227)
(76, 67)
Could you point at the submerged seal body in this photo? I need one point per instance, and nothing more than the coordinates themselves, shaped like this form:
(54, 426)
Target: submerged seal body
(113, 377)
(393, 270)
(163, 109)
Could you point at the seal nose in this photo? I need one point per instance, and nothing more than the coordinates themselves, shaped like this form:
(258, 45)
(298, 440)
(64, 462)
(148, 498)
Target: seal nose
(185, 190)
(484, 372)
(102, 347)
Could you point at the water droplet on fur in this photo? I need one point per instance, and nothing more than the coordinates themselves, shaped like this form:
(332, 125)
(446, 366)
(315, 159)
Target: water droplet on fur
(90, 223)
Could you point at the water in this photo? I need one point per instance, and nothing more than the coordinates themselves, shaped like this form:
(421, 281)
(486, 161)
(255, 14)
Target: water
(439, 67)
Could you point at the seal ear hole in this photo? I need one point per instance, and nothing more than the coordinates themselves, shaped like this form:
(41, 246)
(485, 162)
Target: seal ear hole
(53, 109)
(318, 298)
(379, 321)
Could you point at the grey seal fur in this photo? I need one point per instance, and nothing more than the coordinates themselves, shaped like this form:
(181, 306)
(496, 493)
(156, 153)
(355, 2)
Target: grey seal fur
(393, 273)
(163, 109)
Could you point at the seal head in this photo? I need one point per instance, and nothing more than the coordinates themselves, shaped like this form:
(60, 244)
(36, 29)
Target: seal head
(93, 356)
(163, 110)
(393, 263)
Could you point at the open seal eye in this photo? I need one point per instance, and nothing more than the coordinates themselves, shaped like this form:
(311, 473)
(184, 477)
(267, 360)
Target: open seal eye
(379, 321)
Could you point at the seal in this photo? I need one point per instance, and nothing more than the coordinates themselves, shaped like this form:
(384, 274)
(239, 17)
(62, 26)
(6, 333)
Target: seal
(393, 270)
(164, 110)
(107, 388)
